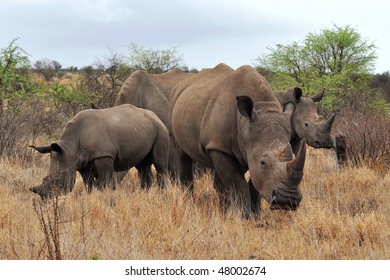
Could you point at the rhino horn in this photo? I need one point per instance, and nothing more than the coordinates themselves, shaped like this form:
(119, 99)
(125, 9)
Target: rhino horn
(295, 166)
(42, 150)
(330, 121)
(317, 97)
(286, 153)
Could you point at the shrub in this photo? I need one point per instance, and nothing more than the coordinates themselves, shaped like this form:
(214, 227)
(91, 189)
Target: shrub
(367, 136)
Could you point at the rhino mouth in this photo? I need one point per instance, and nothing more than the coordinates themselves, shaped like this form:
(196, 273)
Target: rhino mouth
(285, 199)
(327, 144)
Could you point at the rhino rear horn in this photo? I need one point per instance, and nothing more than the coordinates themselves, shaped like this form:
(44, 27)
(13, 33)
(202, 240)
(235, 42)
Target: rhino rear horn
(42, 150)
(330, 121)
(317, 97)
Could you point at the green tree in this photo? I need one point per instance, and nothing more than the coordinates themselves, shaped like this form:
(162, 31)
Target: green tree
(334, 51)
(15, 81)
(154, 60)
(338, 59)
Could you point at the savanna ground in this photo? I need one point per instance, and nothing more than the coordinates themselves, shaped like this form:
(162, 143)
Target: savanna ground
(344, 214)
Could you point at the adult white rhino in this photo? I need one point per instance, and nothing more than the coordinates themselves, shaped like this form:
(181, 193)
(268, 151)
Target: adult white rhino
(230, 121)
(152, 91)
(98, 142)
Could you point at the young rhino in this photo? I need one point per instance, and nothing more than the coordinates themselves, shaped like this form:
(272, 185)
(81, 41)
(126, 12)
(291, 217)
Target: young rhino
(98, 142)
(305, 121)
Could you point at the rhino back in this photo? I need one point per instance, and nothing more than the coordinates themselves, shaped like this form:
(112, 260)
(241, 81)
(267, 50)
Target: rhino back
(150, 91)
(125, 133)
(204, 111)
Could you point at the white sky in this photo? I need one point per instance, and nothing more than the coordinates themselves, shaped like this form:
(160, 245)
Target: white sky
(206, 32)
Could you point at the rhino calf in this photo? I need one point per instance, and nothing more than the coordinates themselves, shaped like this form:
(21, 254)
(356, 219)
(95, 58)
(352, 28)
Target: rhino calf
(98, 142)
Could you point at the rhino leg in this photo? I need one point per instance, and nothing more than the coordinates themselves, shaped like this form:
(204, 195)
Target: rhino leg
(105, 172)
(255, 199)
(145, 175)
(186, 176)
(224, 199)
(161, 155)
(232, 178)
(88, 179)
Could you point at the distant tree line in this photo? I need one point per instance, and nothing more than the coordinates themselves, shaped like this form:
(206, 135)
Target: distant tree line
(39, 98)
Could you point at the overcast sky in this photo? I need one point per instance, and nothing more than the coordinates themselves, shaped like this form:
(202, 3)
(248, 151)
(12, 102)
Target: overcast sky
(206, 32)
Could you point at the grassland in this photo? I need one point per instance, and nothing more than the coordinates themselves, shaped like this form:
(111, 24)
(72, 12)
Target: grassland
(345, 214)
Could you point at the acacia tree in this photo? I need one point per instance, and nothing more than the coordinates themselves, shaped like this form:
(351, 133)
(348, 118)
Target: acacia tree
(15, 81)
(47, 68)
(112, 70)
(338, 59)
(154, 60)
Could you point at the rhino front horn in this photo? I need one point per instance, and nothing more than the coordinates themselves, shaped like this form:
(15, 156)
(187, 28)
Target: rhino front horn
(295, 167)
(42, 150)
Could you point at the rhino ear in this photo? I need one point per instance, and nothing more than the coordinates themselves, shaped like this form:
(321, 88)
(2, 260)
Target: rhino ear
(297, 93)
(289, 108)
(56, 148)
(245, 106)
(94, 106)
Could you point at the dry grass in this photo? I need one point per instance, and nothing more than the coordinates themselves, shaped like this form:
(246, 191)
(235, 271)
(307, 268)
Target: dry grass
(344, 215)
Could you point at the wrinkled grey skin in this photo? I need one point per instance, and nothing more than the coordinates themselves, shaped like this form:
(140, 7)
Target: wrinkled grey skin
(305, 121)
(151, 91)
(230, 121)
(98, 142)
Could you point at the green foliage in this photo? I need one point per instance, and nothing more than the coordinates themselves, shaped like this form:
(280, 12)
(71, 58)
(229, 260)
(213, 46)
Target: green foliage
(154, 60)
(340, 49)
(15, 81)
(337, 59)
(75, 99)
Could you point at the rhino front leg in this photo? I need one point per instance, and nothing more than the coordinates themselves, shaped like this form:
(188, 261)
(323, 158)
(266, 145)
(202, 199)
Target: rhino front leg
(255, 200)
(88, 179)
(105, 172)
(232, 179)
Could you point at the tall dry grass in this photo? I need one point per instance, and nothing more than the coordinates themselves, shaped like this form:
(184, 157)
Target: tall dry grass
(344, 215)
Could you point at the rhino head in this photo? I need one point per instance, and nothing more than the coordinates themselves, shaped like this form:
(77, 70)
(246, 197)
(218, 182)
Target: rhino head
(274, 170)
(62, 171)
(306, 123)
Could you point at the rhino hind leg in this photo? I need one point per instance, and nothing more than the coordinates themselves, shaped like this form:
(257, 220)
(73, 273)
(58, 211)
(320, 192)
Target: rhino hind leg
(145, 175)
(186, 175)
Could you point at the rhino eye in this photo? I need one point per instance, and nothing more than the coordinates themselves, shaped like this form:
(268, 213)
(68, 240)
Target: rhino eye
(264, 162)
(306, 124)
